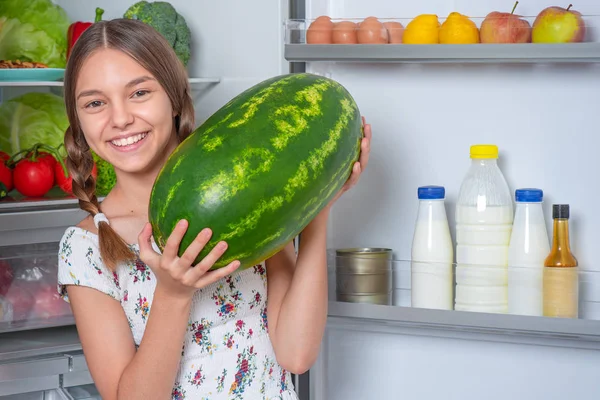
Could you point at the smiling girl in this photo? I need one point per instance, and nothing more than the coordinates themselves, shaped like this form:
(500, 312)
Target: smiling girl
(152, 325)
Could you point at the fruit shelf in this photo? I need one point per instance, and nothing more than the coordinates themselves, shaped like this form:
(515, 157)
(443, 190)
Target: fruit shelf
(193, 81)
(446, 53)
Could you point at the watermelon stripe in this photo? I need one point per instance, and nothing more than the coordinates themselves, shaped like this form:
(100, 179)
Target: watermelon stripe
(253, 103)
(170, 196)
(227, 184)
(312, 95)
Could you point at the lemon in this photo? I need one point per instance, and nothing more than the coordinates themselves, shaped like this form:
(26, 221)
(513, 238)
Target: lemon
(458, 29)
(423, 29)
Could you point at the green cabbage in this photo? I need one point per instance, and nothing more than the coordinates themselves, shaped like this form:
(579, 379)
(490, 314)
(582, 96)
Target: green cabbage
(33, 30)
(32, 118)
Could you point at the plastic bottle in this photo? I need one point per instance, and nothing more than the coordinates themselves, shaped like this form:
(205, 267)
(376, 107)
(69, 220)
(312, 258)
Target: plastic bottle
(529, 247)
(484, 216)
(432, 252)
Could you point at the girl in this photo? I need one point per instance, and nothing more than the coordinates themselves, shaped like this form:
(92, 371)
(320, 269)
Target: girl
(153, 326)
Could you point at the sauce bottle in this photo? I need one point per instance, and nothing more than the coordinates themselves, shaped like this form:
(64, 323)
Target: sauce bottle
(561, 282)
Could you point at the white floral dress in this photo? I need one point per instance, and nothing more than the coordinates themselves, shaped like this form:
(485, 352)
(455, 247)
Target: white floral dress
(227, 353)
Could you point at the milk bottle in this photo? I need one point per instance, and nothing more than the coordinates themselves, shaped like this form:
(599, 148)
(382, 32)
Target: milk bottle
(484, 216)
(529, 247)
(432, 252)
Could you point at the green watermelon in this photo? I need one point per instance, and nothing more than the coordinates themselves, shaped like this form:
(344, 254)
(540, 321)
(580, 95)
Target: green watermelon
(260, 168)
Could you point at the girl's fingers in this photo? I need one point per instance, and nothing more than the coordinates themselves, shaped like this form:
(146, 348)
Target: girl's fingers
(195, 273)
(171, 249)
(192, 251)
(213, 276)
(147, 253)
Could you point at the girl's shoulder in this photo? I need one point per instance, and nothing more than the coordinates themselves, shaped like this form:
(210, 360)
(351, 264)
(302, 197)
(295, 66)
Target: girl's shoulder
(80, 263)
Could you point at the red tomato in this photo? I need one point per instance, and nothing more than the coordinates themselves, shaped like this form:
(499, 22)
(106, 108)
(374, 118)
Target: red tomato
(46, 157)
(33, 178)
(6, 174)
(66, 183)
(6, 277)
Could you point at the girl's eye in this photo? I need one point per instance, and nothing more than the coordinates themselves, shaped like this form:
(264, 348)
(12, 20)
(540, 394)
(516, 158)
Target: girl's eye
(140, 93)
(93, 104)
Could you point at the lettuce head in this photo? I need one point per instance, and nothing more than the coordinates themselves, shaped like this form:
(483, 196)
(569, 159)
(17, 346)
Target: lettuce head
(32, 118)
(33, 30)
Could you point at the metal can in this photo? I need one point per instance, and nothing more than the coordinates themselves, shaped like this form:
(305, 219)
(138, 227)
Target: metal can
(364, 275)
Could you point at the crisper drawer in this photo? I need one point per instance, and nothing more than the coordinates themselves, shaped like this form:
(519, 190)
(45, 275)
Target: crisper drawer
(28, 293)
(25, 376)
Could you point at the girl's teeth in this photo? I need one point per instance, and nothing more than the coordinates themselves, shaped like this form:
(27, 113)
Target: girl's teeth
(130, 140)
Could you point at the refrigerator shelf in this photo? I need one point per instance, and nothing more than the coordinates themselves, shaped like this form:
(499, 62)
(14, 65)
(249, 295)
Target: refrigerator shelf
(588, 52)
(475, 322)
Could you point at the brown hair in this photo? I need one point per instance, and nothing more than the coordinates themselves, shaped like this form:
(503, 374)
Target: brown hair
(147, 47)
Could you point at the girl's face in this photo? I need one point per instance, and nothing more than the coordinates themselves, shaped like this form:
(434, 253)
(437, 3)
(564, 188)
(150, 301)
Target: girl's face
(125, 114)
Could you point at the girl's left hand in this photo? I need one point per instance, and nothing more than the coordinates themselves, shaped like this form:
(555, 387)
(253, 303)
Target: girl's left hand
(360, 165)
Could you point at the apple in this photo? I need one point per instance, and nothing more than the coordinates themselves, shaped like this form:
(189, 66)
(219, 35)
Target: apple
(503, 27)
(558, 25)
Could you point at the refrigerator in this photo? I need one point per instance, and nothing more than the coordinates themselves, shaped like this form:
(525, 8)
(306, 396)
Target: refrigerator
(427, 105)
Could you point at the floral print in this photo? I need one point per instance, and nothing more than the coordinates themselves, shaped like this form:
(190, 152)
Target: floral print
(226, 354)
(142, 307)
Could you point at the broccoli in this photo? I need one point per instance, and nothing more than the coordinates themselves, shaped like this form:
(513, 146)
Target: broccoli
(163, 17)
(106, 176)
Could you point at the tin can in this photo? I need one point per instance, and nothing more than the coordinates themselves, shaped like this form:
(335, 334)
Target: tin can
(364, 275)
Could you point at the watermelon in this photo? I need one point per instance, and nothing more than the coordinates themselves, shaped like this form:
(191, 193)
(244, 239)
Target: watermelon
(260, 168)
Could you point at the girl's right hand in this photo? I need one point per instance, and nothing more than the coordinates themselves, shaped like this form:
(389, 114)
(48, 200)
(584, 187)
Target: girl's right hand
(175, 275)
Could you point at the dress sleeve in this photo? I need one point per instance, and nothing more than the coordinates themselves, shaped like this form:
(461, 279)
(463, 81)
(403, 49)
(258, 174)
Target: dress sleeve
(79, 263)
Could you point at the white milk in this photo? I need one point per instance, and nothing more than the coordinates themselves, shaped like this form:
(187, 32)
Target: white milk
(484, 216)
(482, 239)
(529, 247)
(432, 253)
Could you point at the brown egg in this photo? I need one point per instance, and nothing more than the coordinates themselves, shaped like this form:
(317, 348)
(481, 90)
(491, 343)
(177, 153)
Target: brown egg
(395, 31)
(371, 31)
(344, 32)
(320, 31)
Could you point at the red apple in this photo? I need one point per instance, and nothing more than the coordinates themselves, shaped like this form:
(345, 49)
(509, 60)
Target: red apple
(558, 25)
(503, 27)
(48, 303)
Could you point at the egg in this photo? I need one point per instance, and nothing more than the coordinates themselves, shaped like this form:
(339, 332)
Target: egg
(395, 31)
(371, 31)
(320, 31)
(344, 32)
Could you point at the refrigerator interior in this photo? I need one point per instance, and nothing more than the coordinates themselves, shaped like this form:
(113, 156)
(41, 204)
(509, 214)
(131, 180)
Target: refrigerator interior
(425, 116)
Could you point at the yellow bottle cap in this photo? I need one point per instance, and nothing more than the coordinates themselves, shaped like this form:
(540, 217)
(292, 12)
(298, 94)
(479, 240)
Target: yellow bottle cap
(484, 151)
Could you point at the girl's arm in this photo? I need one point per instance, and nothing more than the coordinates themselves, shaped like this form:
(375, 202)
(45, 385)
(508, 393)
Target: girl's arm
(118, 370)
(297, 288)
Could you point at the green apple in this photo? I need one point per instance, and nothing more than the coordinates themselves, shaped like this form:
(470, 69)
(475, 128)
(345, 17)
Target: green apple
(558, 25)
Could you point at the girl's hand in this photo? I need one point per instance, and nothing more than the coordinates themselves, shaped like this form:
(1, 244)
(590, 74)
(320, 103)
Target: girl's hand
(360, 165)
(175, 275)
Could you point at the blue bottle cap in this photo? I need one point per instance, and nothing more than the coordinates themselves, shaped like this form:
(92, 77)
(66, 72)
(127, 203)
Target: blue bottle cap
(431, 192)
(529, 195)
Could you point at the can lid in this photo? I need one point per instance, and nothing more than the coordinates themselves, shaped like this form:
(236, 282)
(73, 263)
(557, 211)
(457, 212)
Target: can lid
(431, 192)
(560, 211)
(529, 195)
(484, 151)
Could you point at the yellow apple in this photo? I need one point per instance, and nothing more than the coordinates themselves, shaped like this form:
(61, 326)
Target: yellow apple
(558, 25)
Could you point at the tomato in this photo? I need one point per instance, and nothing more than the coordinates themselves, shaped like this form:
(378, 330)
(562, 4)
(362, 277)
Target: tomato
(33, 178)
(6, 174)
(66, 183)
